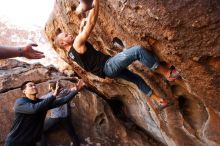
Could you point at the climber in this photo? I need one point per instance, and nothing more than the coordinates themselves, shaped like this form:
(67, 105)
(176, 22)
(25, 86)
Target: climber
(30, 113)
(82, 52)
(27, 51)
(84, 6)
(59, 116)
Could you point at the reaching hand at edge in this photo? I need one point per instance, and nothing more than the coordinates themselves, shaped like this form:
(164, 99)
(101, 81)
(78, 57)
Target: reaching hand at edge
(79, 86)
(57, 89)
(30, 53)
(26, 51)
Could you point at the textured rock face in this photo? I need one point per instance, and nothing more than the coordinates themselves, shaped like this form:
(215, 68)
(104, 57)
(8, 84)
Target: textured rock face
(93, 118)
(184, 34)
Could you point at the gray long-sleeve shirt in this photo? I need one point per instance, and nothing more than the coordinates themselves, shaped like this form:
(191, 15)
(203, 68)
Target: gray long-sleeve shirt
(61, 111)
(29, 118)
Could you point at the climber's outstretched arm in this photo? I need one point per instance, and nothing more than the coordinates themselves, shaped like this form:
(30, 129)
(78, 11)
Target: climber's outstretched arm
(79, 42)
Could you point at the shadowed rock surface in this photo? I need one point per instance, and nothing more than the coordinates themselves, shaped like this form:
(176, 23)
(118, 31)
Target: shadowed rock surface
(97, 121)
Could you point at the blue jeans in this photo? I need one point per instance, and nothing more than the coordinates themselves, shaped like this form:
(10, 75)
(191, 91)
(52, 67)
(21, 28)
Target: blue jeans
(116, 66)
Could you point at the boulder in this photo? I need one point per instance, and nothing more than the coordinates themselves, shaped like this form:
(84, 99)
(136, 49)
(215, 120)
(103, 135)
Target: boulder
(183, 34)
(96, 120)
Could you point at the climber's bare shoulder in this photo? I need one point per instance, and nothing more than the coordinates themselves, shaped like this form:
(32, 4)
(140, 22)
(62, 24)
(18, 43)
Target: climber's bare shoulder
(79, 45)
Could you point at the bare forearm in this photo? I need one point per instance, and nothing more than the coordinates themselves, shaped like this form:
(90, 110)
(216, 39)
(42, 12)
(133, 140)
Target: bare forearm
(25, 51)
(9, 52)
(93, 15)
